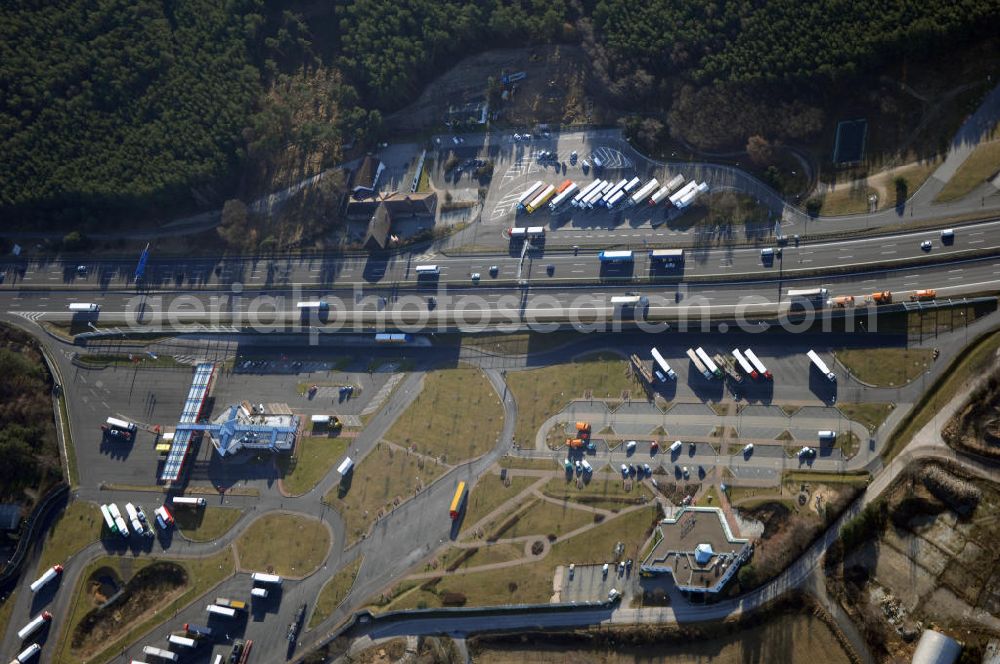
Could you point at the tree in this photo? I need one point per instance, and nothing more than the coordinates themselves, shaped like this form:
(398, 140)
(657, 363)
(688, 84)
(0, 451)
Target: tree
(234, 229)
(759, 150)
(74, 241)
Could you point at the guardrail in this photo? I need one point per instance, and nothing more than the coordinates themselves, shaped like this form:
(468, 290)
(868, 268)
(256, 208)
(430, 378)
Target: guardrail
(12, 570)
(365, 621)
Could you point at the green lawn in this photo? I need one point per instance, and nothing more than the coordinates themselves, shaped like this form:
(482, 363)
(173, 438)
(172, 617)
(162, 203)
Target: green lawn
(872, 415)
(457, 416)
(977, 358)
(205, 524)
(489, 493)
(203, 574)
(485, 554)
(847, 200)
(603, 492)
(541, 518)
(79, 525)
(529, 464)
(886, 367)
(334, 592)
(383, 476)
(981, 164)
(543, 392)
(285, 544)
(532, 582)
(314, 457)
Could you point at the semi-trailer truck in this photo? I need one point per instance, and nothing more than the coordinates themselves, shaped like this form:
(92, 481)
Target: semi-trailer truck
(541, 199)
(269, 579)
(26, 654)
(744, 364)
(645, 191)
(84, 307)
(632, 184)
(529, 194)
(757, 364)
(658, 197)
(188, 500)
(664, 367)
(926, 294)
(614, 190)
(153, 651)
(709, 364)
(457, 501)
(698, 364)
(563, 197)
(187, 642)
(682, 192)
(198, 630)
(35, 625)
(583, 193)
(821, 365)
(119, 520)
(224, 611)
(616, 199)
(239, 605)
(49, 575)
(674, 184)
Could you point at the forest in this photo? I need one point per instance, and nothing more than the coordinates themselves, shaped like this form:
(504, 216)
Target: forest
(115, 108)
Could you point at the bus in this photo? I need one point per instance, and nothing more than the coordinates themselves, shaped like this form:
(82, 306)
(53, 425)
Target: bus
(457, 501)
(615, 256)
(84, 307)
(667, 257)
(427, 271)
(812, 294)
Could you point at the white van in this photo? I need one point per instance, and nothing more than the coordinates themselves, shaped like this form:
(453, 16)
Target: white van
(676, 447)
(767, 254)
(748, 449)
(825, 435)
(947, 235)
(259, 592)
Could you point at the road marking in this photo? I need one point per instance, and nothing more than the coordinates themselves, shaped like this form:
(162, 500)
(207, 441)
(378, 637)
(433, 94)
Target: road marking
(887, 253)
(975, 241)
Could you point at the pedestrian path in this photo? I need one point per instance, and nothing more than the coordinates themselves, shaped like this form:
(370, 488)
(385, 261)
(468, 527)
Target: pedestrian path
(382, 394)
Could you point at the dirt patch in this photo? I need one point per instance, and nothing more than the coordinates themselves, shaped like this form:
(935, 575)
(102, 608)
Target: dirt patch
(976, 427)
(555, 90)
(925, 563)
(119, 607)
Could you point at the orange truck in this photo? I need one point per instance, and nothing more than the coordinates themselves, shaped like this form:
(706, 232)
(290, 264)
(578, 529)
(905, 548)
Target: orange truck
(882, 297)
(574, 442)
(843, 301)
(926, 294)
(582, 429)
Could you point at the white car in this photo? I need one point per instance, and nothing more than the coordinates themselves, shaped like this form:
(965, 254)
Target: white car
(926, 245)
(572, 569)
(604, 570)
(456, 140)
(475, 276)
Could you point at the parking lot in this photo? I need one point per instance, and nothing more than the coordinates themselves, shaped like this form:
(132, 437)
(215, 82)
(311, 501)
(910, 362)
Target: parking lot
(589, 584)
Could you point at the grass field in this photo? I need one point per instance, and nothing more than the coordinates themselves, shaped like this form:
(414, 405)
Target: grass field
(541, 393)
(314, 457)
(78, 525)
(886, 367)
(847, 200)
(6, 609)
(603, 492)
(457, 416)
(872, 415)
(485, 554)
(789, 637)
(977, 358)
(490, 492)
(827, 478)
(206, 524)
(383, 476)
(532, 582)
(541, 518)
(516, 343)
(334, 591)
(981, 164)
(529, 464)
(283, 544)
(203, 574)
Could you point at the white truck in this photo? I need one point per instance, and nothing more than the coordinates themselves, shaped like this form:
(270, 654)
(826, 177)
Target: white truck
(744, 364)
(35, 625)
(119, 521)
(709, 364)
(644, 192)
(698, 364)
(821, 365)
(757, 364)
(632, 184)
(563, 197)
(50, 574)
(614, 190)
(133, 517)
(660, 194)
(270, 579)
(188, 500)
(160, 652)
(583, 193)
(84, 307)
(663, 368)
(26, 654)
(529, 193)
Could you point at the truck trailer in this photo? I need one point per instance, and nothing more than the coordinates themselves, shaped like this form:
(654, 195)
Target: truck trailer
(563, 197)
(49, 575)
(744, 364)
(188, 500)
(698, 364)
(35, 625)
(645, 191)
(269, 579)
(26, 654)
(457, 501)
(757, 364)
(529, 193)
(821, 365)
(709, 364)
(160, 652)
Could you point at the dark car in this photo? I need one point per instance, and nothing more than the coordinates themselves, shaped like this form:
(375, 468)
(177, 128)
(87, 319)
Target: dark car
(550, 269)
